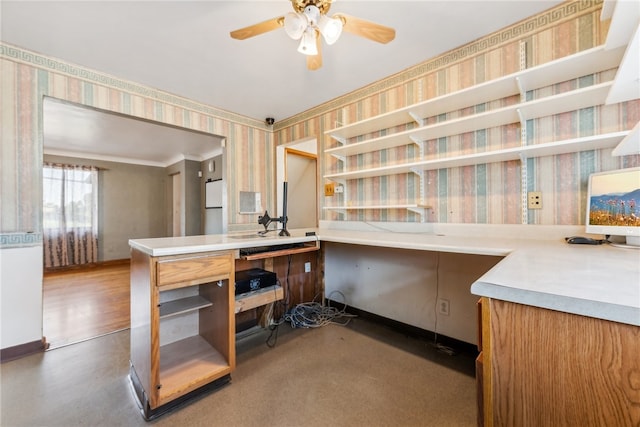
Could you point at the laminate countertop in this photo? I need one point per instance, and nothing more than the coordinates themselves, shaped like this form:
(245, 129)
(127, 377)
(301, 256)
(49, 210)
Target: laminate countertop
(601, 281)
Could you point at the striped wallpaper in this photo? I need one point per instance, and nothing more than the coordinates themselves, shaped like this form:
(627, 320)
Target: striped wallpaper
(487, 193)
(474, 194)
(27, 77)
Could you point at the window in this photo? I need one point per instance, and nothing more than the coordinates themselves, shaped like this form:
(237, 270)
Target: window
(70, 214)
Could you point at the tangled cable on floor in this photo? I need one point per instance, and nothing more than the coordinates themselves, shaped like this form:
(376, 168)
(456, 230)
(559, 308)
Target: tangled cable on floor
(311, 315)
(315, 315)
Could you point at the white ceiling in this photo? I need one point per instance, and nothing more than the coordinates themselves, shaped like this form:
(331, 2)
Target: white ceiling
(183, 47)
(75, 130)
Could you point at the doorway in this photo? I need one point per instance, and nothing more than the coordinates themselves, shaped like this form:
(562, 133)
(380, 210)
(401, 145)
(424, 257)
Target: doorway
(297, 163)
(136, 191)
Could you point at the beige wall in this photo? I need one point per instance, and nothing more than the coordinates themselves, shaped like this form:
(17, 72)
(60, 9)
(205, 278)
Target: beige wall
(131, 204)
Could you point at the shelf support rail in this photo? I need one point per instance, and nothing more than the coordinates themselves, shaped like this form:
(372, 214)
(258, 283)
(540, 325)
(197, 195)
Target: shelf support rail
(524, 211)
(523, 192)
(421, 175)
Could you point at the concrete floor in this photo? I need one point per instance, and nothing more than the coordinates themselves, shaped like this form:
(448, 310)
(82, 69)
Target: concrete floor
(363, 374)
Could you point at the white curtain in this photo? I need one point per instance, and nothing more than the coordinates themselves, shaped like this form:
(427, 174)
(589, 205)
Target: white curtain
(70, 214)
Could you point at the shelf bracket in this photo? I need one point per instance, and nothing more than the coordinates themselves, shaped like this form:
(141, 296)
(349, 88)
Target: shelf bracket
(339, 157)
(422, 211)
(340, 139)
(521, 89)
(419, 120)
(523, 119)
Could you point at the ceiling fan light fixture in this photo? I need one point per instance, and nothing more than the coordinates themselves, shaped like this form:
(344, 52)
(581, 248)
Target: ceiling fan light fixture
(295, 24)
(308, 42)
(313, 14)
(330, 28)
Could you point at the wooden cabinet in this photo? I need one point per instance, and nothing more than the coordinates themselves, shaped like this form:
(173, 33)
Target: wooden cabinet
(541, 367)
(182, 327)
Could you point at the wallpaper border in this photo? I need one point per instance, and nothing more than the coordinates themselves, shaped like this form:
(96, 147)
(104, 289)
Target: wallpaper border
(19, 240)
(37, 60)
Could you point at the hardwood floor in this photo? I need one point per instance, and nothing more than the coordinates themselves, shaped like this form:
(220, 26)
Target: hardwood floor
(83, 303)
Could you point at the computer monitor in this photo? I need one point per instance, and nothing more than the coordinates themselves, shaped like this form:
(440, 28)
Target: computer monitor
(613, 205)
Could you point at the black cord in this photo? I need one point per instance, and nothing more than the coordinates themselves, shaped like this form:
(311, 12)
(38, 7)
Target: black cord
(272, 339)
(272, 336)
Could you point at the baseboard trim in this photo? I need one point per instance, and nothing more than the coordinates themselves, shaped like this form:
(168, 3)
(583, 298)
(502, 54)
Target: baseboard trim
(98, 264)
(410, 330)
(18, 351)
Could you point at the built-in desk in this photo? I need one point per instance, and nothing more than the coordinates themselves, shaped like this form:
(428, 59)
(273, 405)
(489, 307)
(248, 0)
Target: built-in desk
(596, 281)
(543, 298)
(183, 310)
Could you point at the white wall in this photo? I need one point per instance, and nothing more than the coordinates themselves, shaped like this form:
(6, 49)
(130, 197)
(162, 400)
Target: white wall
(308, 146)
(20, 295)
(404, 285)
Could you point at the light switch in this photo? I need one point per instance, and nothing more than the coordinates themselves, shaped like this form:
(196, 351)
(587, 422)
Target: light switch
(329, 189)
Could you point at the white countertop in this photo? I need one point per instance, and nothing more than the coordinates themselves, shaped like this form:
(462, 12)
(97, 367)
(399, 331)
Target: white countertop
(216, 242)
(597, 281)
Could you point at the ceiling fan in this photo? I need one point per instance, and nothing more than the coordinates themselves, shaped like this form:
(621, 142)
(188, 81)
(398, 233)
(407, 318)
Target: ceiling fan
(309, 21)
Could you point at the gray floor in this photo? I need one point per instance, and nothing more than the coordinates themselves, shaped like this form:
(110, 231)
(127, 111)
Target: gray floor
(360, 375)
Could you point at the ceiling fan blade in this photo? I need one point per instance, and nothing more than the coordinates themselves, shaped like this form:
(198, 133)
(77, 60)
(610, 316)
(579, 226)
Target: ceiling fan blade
(314, 62)
(367, 29)
(257, 29)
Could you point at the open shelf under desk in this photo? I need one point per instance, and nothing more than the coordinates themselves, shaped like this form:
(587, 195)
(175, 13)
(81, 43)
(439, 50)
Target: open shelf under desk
(188, 364)
(183, 305)
(258, 298)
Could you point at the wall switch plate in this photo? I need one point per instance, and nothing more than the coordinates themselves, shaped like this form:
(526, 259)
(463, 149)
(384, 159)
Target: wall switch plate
(534, 199)
(307, 267)
(443, 306)
(329, 189)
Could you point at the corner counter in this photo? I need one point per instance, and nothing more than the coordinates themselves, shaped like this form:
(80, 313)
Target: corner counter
(538, 269)
(600, 281)
(559, 323)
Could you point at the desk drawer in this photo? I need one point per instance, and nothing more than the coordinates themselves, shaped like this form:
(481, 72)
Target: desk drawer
(193, 270)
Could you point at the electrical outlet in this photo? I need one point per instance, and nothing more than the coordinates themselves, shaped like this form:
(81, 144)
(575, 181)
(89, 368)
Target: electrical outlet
(535, 199)
(307, 267)
(329, 189)
(443, 306)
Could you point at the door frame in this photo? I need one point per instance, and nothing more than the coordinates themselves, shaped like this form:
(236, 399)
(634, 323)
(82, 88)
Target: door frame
(307, 147)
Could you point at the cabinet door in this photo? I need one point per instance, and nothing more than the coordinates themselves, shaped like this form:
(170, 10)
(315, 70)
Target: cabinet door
(552, 368)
